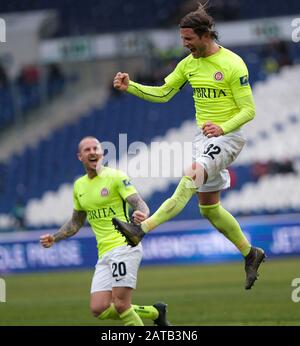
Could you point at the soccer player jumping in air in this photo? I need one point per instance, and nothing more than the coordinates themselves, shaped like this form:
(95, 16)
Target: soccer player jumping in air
(98, 196)
(224, 103)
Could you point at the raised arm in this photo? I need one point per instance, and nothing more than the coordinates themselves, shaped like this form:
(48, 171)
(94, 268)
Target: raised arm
(141, 210)
(157, 94)
(69, 229)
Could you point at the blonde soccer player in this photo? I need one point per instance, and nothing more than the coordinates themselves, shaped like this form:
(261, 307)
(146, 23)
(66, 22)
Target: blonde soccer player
(99, 195)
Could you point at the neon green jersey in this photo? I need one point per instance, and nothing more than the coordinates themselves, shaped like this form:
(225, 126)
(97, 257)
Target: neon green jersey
(103, 198)
(222, 93)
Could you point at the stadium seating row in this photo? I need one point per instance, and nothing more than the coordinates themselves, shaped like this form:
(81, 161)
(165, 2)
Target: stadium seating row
(22, 98)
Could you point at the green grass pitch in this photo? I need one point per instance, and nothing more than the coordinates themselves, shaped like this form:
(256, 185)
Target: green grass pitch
(197, 295)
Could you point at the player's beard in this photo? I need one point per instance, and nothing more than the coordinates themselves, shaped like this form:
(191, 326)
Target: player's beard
(198, 52)
(91, 166)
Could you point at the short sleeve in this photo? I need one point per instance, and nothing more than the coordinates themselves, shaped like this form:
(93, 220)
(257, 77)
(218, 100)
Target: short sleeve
(125, 186)
(76, 204)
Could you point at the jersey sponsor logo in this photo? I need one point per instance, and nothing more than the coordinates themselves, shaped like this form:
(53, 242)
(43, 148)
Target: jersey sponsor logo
(126, 182)
(218, 76)
(101, 213)
(209, 93)
(104, 192)
(244, 80)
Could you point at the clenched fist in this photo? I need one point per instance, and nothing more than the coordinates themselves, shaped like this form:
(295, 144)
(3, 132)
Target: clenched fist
(139, 217)
(212, 130)
(121, 81)
(47, 240)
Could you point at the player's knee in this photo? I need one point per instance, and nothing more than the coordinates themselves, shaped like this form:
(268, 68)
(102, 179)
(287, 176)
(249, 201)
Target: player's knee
(97, 309)
(197, 172)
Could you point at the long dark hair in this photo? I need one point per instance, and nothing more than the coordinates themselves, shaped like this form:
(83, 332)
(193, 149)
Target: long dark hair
(200, 21)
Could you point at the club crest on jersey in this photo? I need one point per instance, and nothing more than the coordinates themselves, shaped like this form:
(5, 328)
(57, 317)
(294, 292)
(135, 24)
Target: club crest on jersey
(218, 76)
(104, 192)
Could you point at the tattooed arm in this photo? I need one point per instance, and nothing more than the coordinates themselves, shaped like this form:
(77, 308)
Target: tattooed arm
(141, 210)
(70, 228)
